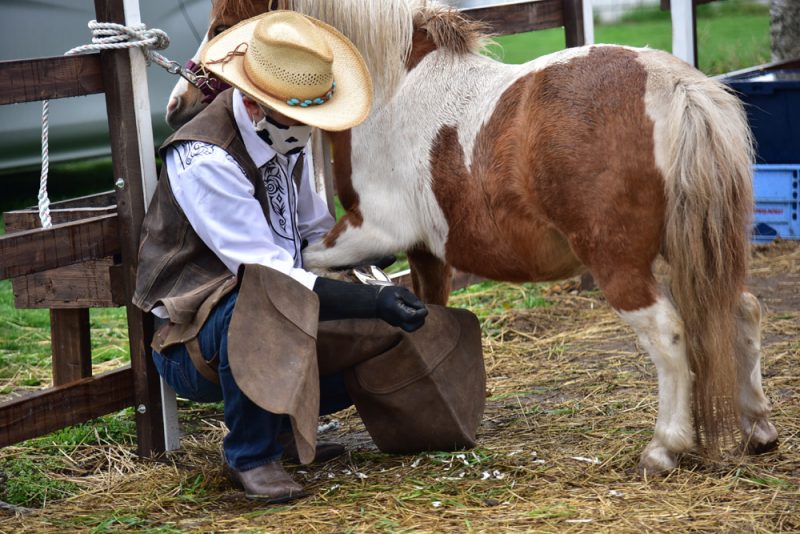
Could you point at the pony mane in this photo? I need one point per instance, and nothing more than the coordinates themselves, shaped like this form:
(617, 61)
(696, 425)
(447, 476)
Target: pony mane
(383, 30)
(450, 30)
(236, 10)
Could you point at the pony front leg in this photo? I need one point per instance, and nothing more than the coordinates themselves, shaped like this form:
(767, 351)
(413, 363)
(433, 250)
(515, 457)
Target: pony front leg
(758, 434)
(350, 241)
(661, 334)
(431, 276)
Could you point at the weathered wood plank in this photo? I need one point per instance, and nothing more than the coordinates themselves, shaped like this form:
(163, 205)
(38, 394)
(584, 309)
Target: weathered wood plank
(30, 80)
(106, 199)
(521, 17)
(72, 347)
(58, 407)
(125, 149)
(82, 285)
(33, 251)
(19, 220)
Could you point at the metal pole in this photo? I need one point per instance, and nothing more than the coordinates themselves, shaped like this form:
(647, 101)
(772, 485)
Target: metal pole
(144, 128)
(588, 22)
(683, 38)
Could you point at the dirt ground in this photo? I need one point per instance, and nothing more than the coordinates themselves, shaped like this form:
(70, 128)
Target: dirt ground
(571, 402)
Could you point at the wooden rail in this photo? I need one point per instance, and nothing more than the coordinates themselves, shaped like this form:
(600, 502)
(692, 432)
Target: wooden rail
(517, 17)
(70, 404)
(32, 251)
(29, 80)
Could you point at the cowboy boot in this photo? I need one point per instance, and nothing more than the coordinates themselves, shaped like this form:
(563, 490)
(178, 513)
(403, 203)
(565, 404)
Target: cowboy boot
(268, 483)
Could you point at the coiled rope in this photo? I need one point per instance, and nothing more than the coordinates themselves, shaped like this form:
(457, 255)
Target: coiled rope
(105, 36)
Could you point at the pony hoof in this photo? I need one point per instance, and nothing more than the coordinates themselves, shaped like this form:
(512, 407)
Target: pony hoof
(760, 448)
(762, 438)
(657, 460)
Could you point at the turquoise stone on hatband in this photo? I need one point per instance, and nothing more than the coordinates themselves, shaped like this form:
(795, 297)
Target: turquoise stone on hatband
(315, 102)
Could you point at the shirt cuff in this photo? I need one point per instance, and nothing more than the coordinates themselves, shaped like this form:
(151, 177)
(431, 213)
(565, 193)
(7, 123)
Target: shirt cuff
(306, 278)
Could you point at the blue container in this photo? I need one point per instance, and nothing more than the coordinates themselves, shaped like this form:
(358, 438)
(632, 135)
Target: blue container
(772, 101)
(776, 189)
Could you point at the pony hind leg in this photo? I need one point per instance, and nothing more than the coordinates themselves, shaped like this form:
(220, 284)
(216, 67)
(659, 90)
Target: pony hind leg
(758, 433)
(638, 301)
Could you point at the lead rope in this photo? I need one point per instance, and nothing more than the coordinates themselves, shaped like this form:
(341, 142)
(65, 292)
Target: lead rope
(106, 36)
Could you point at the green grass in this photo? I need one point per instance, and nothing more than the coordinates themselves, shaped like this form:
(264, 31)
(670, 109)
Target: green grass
(730, 35)
(489, 300)
(30, 482)
(25, 351)
(28, 474)
(24, 343)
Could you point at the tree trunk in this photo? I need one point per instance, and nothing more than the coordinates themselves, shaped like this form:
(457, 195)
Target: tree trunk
(785, 29)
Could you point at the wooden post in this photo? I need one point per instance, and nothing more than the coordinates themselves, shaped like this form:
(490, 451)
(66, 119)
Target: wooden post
(574, 31)
(71, 345)
(133, 159)
(169, 402)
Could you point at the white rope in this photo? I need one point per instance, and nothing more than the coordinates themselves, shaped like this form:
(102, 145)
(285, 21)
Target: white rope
(112, 36)
(44, 200)
(105, 36)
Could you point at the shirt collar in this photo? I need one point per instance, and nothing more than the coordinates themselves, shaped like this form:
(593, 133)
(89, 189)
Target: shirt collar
(259, 151)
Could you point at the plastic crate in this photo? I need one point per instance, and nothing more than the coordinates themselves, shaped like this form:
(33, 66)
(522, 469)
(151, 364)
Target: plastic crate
(772, 101)
(775, 188)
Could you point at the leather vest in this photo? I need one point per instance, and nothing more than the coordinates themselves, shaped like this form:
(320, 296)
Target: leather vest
(176, 268)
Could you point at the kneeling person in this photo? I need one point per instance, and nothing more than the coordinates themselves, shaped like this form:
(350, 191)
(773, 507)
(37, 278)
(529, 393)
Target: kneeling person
(235, 190)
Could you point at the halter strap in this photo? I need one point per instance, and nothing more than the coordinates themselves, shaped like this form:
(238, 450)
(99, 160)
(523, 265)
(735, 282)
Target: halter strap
(205, 82)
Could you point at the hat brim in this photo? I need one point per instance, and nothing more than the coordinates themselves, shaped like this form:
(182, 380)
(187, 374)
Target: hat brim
(350, 103)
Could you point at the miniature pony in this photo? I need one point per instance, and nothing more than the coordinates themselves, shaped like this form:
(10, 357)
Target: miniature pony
(599, 158)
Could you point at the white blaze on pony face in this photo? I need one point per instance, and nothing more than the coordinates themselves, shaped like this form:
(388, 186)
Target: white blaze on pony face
(185, 100)
(661, 334)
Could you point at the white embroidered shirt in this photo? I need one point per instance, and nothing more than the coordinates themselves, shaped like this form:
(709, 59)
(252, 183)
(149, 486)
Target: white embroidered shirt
(219, 202)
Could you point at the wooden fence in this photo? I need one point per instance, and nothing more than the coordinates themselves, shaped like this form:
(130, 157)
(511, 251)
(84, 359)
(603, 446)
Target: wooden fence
(88, 258)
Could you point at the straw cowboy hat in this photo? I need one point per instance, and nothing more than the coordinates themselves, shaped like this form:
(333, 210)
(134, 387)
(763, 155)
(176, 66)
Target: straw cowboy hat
(297, 65)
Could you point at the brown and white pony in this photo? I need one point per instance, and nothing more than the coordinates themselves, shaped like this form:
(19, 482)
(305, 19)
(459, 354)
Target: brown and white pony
(598, 158)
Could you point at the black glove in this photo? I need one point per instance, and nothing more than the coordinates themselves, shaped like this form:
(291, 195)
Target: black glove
(400, 307)
(394, 304)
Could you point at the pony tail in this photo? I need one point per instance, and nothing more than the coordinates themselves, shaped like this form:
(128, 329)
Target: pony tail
(709, 206)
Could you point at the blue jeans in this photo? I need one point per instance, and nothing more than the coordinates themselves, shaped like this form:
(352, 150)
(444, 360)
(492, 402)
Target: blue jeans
(252, 431)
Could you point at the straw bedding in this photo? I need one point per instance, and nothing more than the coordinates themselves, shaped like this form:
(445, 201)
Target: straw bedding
(571, 403)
